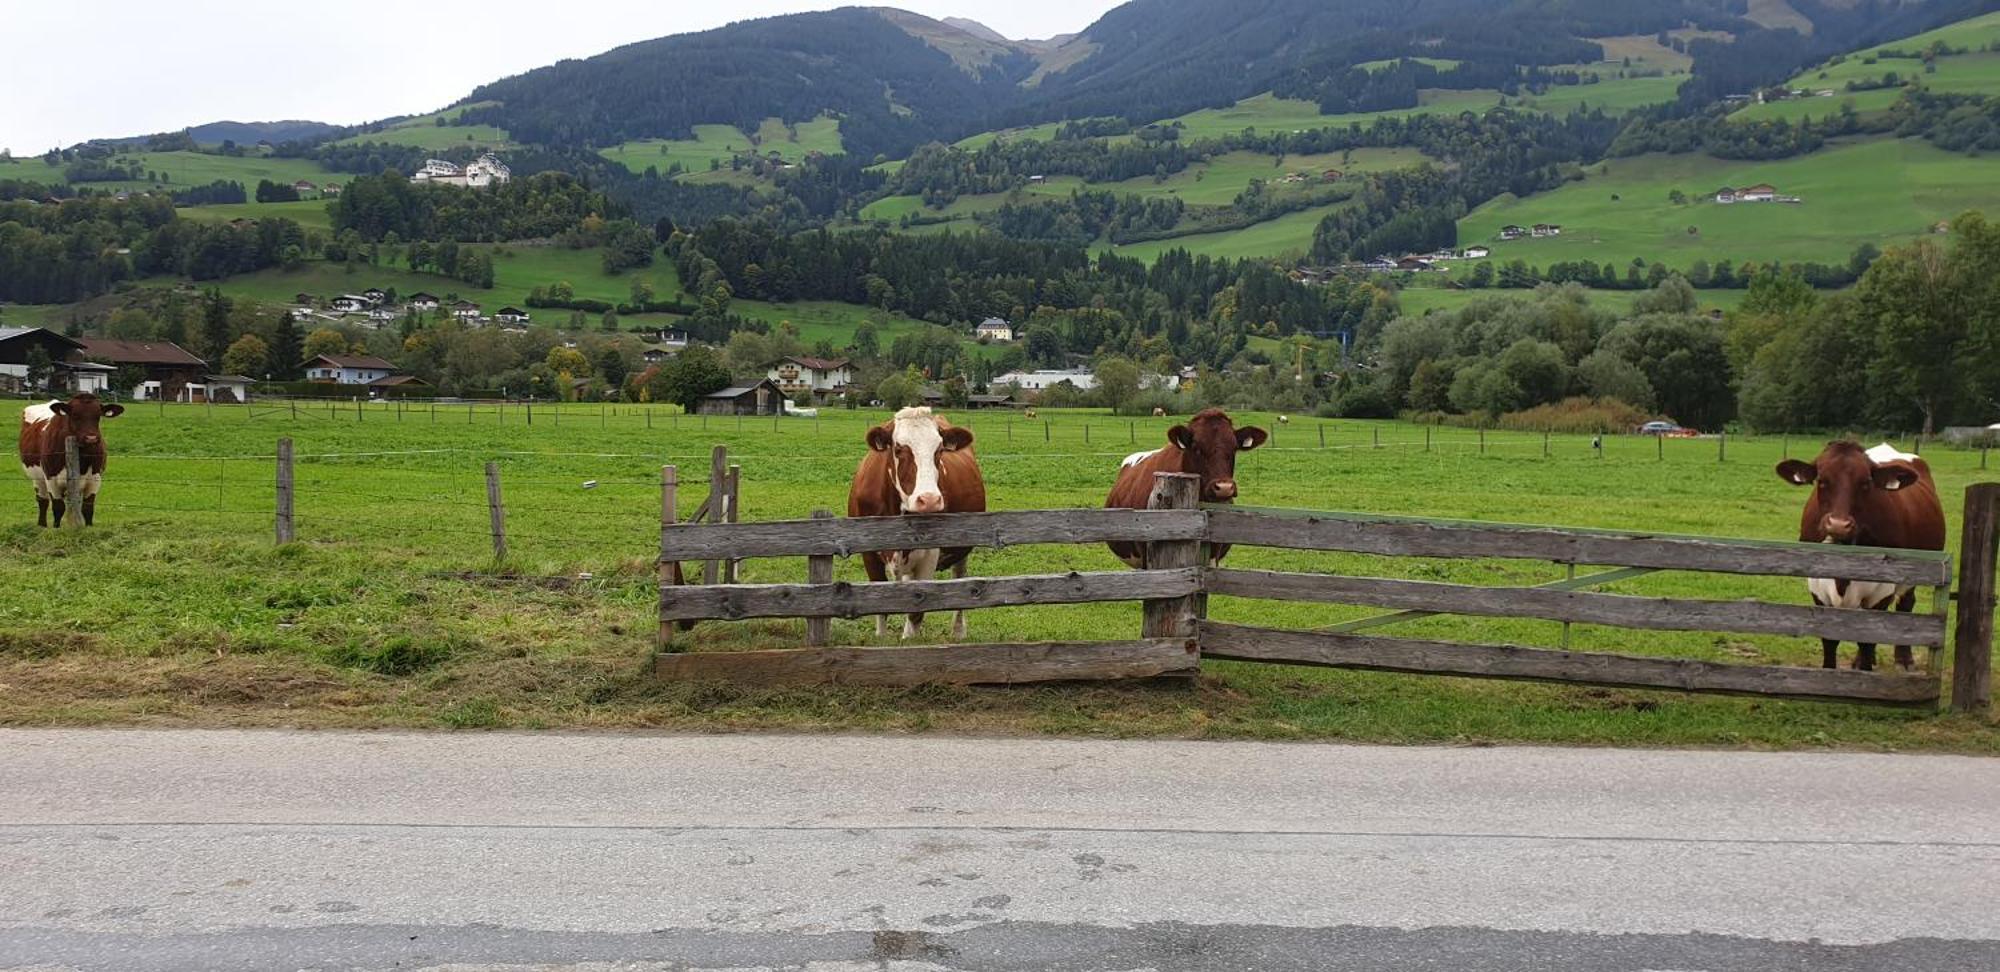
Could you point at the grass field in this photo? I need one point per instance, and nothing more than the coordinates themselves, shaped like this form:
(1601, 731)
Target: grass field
(1269, 113)
(516, 271)
(1882, 191)
(184, 169)
(1422, 300)
(389, 611)
(309, 213)
(1037, 133)
(1612, 95)
(1291, 233)
(426, 132)
(1975, 72)
(717, 143)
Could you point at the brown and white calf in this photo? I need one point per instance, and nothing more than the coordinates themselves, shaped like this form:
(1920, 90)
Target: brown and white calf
(45, 459)
(1206, 446)
(917, 464)
(1878, 497)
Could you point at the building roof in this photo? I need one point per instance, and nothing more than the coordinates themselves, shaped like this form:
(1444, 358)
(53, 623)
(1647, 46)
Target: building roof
(140, 352)
(420, 295)
(232, 379)
(818, 364)
(993, 322)
(368, 361)
(513, 311)
(388, 380)
(738, 391)
(10, 333)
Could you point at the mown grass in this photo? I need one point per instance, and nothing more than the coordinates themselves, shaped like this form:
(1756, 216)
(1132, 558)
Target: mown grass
(1269, 113)
(517, 269)
(718, 143)
(425, 132)
(1881, 191)
(1420, 300)
(309, 213)
(183, 170)
(176, 608)
(1288, 235)
(1974, 72)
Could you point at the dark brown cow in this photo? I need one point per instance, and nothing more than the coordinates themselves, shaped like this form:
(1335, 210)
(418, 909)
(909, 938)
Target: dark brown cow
(1206, 446)
(917, 464)
(1878, 497)
(45, 460)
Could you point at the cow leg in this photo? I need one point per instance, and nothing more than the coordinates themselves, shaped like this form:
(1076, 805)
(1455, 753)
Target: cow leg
(1905, 660)
(89, 509)
(872, 563)
(56, 506)
(1829, 648)
(958, 619)
(41, 511)
(1864, 660)
(918, 565)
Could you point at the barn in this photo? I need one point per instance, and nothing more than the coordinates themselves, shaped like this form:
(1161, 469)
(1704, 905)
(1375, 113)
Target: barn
(761, 398)
(17, 345)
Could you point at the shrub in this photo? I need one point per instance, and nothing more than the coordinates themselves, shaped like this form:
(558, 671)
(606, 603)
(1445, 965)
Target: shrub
(1578, 415)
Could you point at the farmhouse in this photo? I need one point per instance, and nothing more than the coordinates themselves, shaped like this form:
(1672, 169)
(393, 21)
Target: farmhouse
(465, 310)
(396, 383)
(656, 354)
(350, 303)
(671, 340)
(1477, 253)
(17, 343)
(511, 315)
(822, 377)
(423, 302)
(375, 295)
(303, 186)
(762, 398)
(1545, 229)
(1414, 264)
(1512, 232)
(994, 329)
(1761, 192)
(348, 369)
(167, 365)
(487, 170)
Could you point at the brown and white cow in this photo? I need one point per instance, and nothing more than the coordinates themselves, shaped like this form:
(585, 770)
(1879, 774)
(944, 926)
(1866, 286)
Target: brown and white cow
(1206, 446)
(45, 460)
(1878, 497)
(917, 464)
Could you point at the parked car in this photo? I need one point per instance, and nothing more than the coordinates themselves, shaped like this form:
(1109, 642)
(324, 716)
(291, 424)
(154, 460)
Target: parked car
(1668, 430)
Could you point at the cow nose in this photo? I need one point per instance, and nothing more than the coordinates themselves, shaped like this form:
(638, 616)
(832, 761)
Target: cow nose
(927, 503)
(1225, 489)
(1838, 527)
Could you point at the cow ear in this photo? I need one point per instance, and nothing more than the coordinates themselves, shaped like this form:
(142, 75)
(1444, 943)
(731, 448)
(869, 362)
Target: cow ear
(113, 411)
(1895, 477)
(955, 439)
(880, 439)
(60, 408)
(1797, 472)
(1180, 436)
(1250, 437)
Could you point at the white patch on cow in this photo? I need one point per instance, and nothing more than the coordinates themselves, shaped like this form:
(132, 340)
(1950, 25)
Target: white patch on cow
(1137, 458)
(38, 480)
(917, 430)
(89, 483)
(1860, 594)
(37, 414)
(1888, 453)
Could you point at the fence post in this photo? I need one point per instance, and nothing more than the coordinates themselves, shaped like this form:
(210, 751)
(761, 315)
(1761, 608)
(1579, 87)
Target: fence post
(1173, 617)
(1322, 435)
(1722, 446)
(1660, 446)
(718, 493)
(1086, 433)
(1545, 443)
(735, 510)
(819, 570)
(285, 532)
(1482, 440)
(1427, 438)
(1972, 659)
(72, 483)
(496, 512)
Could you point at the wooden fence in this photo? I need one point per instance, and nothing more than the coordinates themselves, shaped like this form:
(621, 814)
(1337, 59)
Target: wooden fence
(1175, 634)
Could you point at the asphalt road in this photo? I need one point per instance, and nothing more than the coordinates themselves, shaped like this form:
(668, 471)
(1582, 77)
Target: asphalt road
(138, 851)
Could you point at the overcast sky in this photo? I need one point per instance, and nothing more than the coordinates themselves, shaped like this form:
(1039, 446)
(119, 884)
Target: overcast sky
(133, 67)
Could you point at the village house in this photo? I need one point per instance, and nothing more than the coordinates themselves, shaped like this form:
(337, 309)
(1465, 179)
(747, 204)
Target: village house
(994, 329)
(381, 387)
(1410, 264)
(656, 354)
(219, 389)
(423, 302)
(1761, 192)
(375, 295)
(1546, 229)
(466, 311)
(303, 186)
(487, 170)
(1477, 253)
(820, 377)
(350, 303)
(511, 315)
(762, 398)
(17, 344)
(1047, 378)
(671, 340)
(348, 369)
(168, 366)
(329, 190)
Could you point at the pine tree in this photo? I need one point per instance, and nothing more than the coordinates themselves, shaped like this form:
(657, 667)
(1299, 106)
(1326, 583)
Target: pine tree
(286, 349)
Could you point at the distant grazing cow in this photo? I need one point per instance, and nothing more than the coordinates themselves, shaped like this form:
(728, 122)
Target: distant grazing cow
(1159, 412)
(46, 461)
(1880, 497)
(1206, 446)
(1030, 413)
(1284, 420)
(917, 463)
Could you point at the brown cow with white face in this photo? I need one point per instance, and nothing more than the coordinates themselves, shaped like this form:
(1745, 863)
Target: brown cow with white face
(45, 460)
(1206, 446)
(917, 464)
(1878, 497)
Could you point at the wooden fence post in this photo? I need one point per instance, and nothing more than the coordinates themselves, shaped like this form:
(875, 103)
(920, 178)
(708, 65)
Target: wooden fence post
(1972, 661)
(1322, 435)
(734, 511)
(496, 513)
(1722, 446)
(718, 490)
(72, 486)
(670, 484)
(819, 570)
(1173, 617)
(285, 532)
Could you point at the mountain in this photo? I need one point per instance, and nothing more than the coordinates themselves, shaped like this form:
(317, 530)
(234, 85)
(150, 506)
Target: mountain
(896, 79)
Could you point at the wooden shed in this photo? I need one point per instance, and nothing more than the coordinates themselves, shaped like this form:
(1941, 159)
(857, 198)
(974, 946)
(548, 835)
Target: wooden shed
(761, 398)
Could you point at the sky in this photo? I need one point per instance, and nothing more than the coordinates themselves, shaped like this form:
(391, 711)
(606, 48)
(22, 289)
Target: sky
(141, 66)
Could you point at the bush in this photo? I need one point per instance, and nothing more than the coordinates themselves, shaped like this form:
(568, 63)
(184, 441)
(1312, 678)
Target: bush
(1578, 415)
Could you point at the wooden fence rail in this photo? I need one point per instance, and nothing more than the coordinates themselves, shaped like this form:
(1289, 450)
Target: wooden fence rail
(1174, 591)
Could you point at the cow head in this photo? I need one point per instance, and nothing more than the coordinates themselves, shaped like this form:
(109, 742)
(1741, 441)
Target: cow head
(1843, 478)
(913, 441)
(84, 413)
(1209, 444)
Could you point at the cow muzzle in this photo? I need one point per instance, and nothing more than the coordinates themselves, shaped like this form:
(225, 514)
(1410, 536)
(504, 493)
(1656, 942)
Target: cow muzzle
(1839, 529)
(1222, 489)
(924, 503)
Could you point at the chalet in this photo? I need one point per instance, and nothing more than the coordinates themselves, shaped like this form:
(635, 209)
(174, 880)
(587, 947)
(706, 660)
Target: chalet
(304, 300)
(994, 329)
(484, 171)
(671, 340)
(375, 295)
(423, 302)
(1512, 232)
(511, 315)
(348, 369)
(762, 398)
(821, 377)
(1725, 195)
(167, 365)
(1410, 264)
(465, 310)
(1330, 175)
(1761, 192)
(330, 189)
(303, 186)
(17, 344)
(1545, 229)
(657, 354)
(381, 317)
(1477, 253)
(1036, 180)
(1377, 265)
(350, 303)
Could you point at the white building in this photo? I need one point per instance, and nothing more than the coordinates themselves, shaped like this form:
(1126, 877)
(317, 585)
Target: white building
(1046, 378)
(820, 376)
(994, 329)
(487, 170)
(348, 369)
(350, 303)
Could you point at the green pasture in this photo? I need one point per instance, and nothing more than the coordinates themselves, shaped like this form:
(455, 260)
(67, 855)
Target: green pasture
(309, 213)
(1613, 96)
(391, 611)
(1422, 300)
(516, 270)
(438, 131)
(185, 169)
(1644, 51)
(718, 143)
(1037, 133)
(1291, 233)
(1441, 63)
(1269, 113)
(1975, 72)
(1881, 191)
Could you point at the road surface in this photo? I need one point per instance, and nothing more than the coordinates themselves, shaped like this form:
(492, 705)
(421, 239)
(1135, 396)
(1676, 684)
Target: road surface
(147, 851)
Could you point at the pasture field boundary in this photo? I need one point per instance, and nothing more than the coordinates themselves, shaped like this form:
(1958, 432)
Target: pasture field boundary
(1180, 577)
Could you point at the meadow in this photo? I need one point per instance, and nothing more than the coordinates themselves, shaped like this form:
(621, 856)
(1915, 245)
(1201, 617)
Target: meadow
(517, 270)
(1290, 234)
(718, 143)
(391, 611)
(309, 213)
(1418, 300)
(437, 131)
(183, 170)
(1880, 191)
(1975, 72)
(1269, 113)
